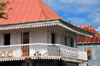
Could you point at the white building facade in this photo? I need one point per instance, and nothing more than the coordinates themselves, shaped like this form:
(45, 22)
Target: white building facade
(41, 43)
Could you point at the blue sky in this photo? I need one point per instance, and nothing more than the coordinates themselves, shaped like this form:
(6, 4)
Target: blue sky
(79, 12)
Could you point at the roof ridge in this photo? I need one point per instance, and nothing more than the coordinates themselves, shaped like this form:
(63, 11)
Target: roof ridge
(53, 11)
(91, 28)
(42, 11)
(30, 11)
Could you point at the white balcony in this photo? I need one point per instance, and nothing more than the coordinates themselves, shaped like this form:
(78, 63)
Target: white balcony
(40, 51)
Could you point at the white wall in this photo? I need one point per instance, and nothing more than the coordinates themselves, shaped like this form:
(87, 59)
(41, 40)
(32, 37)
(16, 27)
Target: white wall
(60, 33)
(39, 35)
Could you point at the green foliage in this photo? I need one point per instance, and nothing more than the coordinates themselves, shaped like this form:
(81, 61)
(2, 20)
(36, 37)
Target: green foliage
(8, 2)
(3, 6)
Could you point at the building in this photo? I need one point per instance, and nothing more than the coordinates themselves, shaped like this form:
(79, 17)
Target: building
(91, 44)
(34, 35)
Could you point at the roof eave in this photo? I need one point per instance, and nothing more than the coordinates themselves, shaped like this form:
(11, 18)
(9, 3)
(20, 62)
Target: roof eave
(77, 30)
(50, 22)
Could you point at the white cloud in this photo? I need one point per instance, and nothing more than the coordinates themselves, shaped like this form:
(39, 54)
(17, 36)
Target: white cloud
(98, 29)
(97, 2)
(77, 21)
(73, 6)
(94, 14)
(94, 17)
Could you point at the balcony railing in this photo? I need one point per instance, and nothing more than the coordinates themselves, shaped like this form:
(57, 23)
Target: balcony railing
(40, 49)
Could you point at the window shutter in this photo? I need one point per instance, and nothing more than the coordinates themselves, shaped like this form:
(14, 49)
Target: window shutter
(62, 39)
(49, 37)
(1, 39)
(18, 38)
(31, 37)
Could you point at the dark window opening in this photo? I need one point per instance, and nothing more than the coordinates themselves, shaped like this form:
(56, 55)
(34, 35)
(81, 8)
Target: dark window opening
(25, 38)
(53, 37)
(72, 42)
(65, 40)
(6, 39)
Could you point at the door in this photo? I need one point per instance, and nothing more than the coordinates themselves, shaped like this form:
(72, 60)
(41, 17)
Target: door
(25, 40)
(6, 39)
(53, 38)
(72, 42)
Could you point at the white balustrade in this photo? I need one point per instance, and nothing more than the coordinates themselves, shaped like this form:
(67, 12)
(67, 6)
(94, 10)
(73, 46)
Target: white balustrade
(39, 49)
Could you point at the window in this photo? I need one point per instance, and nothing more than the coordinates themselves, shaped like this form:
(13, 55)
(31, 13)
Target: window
(89, 52)
(53, 38)
(72, 42)
(25, 37)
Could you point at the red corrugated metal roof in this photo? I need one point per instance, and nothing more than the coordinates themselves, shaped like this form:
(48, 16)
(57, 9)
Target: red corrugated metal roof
(95, 38)
(28, 10)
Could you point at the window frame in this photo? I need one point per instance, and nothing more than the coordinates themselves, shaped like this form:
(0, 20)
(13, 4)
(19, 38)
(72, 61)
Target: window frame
(25, 37)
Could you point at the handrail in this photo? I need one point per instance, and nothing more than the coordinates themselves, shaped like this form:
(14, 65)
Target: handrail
(42, 44)
(43, 49)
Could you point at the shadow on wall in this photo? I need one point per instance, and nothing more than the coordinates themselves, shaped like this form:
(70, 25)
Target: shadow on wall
(11, 63)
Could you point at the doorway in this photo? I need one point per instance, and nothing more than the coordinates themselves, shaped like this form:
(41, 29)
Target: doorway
(6, 39)
(72, 42)
(25, 40)
(53, 38)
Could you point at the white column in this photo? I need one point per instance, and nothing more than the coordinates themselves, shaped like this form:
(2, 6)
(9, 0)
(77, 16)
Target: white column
(75, 41)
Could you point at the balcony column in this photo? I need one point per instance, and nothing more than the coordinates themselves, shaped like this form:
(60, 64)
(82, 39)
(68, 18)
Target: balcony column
(76, 41)
(22, 37)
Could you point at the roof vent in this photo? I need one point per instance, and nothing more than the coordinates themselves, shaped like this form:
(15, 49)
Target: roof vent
(69, 21)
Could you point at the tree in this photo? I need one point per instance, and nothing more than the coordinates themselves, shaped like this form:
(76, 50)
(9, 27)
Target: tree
(3, 6)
